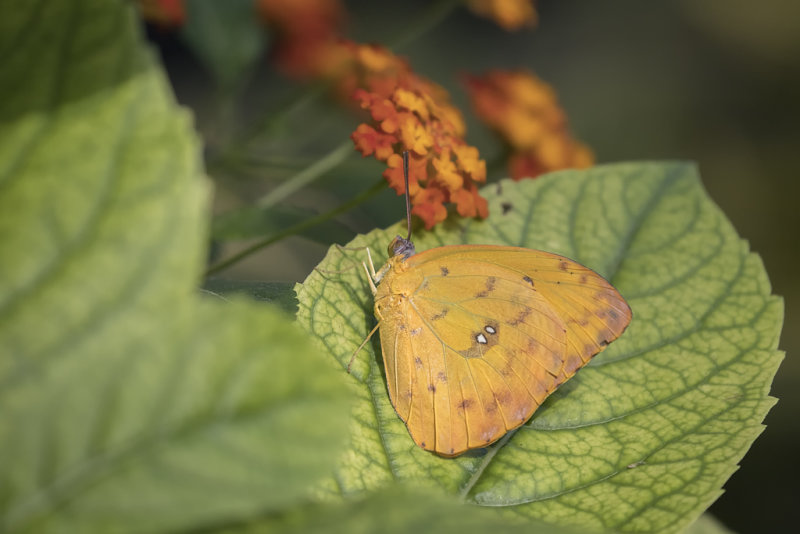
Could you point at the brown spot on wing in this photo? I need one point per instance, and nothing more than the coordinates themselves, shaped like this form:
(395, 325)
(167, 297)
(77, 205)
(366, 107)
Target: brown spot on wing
(506, 207)
(582, 321)
(528, 279)
(441, 315)
(465, 404)
(490, 283)
(445, 270)
(481, 344)
(562, 265)
(507, 369)
(504, 397)
(521, 316)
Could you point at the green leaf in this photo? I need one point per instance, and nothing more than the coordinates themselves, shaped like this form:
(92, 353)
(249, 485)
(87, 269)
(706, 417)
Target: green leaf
(643, 437)
(707, 524)
(225, 36)
(128, 401)
(395, 510)
(279, 293)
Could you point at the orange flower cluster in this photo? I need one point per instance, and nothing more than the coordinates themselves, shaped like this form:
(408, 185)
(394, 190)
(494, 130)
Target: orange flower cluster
(166, 13)
(407, 111)
(508, 14)
(524, 111)
(306, 34)
(411, 113)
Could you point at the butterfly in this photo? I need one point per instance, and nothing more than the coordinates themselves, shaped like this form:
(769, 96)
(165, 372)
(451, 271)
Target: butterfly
(475, 337)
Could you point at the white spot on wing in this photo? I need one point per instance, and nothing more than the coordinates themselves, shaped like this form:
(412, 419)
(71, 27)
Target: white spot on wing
(481, 339)
(490, 329)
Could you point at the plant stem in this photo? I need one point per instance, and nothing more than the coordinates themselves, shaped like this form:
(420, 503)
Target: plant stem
(307, 175)
(297, 228)
(294, 105)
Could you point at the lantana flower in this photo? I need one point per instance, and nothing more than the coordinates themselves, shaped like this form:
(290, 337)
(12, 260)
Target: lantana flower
(411, 113)
(524, 111)
(406, 111)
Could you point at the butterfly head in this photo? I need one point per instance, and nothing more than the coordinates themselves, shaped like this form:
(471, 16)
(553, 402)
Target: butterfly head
(401, 246)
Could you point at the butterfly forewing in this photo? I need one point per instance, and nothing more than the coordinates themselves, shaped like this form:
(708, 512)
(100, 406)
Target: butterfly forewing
(593, 311)
(475, 338)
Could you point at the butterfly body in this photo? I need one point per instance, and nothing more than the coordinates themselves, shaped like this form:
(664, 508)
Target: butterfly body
(475, 337)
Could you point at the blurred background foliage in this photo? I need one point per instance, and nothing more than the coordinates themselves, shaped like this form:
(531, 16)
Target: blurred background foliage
(714, 81)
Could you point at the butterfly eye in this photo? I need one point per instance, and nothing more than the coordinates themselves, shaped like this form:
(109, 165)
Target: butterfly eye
(400, 247)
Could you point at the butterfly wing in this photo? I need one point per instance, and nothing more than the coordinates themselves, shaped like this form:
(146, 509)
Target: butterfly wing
(475, 338)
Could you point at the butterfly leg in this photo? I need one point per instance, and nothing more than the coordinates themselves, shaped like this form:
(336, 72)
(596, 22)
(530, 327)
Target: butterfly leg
(371, 271)
(369, 278)
(353, 357)
(374, 277)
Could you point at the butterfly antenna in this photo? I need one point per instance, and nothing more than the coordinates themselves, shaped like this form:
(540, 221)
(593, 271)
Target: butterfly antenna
(408, 198)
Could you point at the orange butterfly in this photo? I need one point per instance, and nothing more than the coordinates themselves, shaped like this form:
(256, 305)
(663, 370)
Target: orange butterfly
(475, 337)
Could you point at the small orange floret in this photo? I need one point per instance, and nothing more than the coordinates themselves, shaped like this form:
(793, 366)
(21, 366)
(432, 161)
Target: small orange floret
(411, 101)
(369, 141)
(469, 161)
(508, 14)
(414, 135)
(524, 111)
(447, 173)
(470, 204)
(429, 206)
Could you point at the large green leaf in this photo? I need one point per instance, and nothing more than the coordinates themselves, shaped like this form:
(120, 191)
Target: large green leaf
(129, 402)
(395, 509)
(641, 439)
(279, 293)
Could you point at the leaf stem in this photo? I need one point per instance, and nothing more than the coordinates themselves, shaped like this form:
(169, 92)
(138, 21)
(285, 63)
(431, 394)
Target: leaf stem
(484, 464)
(297, 228)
